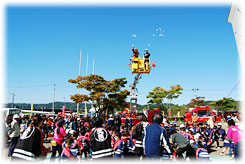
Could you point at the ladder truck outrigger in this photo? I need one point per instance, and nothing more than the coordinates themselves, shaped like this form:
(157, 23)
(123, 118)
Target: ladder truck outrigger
(139, 66)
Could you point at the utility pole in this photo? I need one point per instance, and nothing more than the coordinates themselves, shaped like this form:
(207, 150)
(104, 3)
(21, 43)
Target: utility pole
(93, 66)
(53, 99)
(79, 75)
(13, 99)
(86, 110)
(195, 92)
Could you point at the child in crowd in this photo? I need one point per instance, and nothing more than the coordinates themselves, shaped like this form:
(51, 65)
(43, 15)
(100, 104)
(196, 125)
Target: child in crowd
(66, 153)
(125, 148)
(118, 140)
(83, 139)
(215, 136)
(77, 146)
(221, 131)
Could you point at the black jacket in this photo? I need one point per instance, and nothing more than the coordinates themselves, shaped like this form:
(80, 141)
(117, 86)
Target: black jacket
(29, 145)
(100, 143)
(138, 133)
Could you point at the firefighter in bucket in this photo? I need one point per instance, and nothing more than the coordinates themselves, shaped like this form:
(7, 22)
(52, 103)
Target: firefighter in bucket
(139, 65)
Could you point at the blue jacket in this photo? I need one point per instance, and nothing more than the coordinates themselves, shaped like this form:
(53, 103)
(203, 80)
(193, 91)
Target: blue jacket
(202, 154)
(221, 131)
(155, 141)
(124, 146)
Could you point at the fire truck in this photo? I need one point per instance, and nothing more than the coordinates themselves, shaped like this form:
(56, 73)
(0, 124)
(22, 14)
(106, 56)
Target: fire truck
(203, 113)
(126, 114)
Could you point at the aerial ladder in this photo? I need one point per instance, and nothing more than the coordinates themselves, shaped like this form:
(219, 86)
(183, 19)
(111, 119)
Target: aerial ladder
(138, 67)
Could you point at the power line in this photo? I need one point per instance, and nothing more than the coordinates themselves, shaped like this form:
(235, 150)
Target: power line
(233, 88)
(32, 86)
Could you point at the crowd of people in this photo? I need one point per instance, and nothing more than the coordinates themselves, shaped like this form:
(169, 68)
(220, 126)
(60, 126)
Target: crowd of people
(93, 138)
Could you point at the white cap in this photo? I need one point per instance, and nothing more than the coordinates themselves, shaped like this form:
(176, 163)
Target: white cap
(16, 116)
(186, 130)
(196, 136)
(219, 124)
(146, 49)
(71, 131)
(182, 126)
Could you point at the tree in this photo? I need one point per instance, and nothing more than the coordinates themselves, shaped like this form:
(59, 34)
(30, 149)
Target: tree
(173, 93)
(198, 101)
(156, 97)
(175, 109)
(103, 94)
(225, 104)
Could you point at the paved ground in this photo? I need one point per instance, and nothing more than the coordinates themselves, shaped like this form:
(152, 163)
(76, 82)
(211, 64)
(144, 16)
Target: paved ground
(214, 155)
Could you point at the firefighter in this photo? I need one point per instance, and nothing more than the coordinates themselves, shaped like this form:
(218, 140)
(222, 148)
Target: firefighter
(135, 52)
(146, 57)
(100, 141)
(138, 132)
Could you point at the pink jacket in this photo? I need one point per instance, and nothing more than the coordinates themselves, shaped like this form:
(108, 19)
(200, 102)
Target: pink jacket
(234, 133)
(59, 137)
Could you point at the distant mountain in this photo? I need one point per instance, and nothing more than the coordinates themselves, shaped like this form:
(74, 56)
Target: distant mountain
(48, 107)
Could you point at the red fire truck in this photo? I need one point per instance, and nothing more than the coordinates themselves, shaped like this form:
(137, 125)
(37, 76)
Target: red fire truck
(126, 114)
(203, 113)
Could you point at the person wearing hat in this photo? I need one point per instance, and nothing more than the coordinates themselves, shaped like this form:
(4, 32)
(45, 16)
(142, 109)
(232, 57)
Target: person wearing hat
(59, 135)
(146, 57)
(184, 131)
(14, 134)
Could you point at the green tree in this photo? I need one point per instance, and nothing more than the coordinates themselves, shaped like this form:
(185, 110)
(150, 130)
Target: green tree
(103, 94)
(173, 93)
(225, 104)
(156, 97)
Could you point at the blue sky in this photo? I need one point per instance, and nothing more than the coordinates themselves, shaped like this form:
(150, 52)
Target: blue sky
(43, 46)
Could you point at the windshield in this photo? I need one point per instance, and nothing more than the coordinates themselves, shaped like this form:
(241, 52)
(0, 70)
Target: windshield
(204, 113)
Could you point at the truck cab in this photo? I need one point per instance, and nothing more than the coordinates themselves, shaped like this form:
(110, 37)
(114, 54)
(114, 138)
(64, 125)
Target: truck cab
(203, 113)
